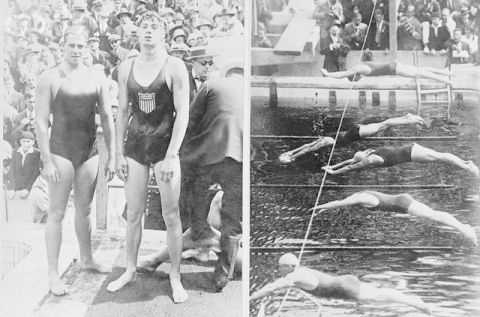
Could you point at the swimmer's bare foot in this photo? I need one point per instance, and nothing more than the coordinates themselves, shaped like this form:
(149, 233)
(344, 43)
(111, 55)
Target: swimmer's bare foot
(286, 157)
(148, 263)
(411, 118)
(178, 292)
(56, 286)
(124, 279)
(470, 234)
(93, 266)
(473, 169)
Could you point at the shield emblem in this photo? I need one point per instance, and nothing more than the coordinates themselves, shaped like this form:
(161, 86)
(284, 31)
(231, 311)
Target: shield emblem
(146, 102)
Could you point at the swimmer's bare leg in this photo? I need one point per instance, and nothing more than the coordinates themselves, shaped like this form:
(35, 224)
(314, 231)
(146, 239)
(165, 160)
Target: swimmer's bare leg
(355, 199)
(421, 210)
(371, 293)
(136, 195)
(59, 193)
(423, 154)
(439, 71)
(415, 72)
(84, 188)
(373, 129)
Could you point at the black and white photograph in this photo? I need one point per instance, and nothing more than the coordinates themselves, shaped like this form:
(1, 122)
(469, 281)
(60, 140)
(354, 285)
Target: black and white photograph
(122, 158)
(364, 149)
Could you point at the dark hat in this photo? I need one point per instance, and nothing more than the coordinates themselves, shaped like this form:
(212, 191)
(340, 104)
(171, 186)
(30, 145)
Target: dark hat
(200, 52)
(93, 39)
(204, 22)
(142, 1)
(27, 135)
(123, 11)
(173, 29)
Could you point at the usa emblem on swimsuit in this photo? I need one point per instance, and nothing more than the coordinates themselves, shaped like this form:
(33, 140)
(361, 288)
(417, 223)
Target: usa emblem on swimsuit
(146, 101)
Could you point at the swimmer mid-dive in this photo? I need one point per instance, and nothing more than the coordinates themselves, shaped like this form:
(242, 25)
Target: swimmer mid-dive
(369, 68)
(354, 134)
(389, 156)
(346, 287)
(402, 203)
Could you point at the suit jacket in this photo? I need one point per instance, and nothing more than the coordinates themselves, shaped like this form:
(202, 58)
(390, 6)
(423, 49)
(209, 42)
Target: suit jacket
(354, 41)
(334, 59)
(384, 37)
(215, 127)
(191, 81)
(23, 176)
(438, 42)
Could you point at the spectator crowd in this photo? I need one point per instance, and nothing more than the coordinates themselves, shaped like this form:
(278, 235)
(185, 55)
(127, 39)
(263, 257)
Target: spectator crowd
(34, 34)
(443, 27)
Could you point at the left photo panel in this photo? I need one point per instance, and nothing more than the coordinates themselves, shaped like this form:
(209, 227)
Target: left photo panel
(122, 153)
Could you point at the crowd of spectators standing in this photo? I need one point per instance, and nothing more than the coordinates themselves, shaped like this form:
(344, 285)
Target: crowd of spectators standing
(34, 32)
(444, 27)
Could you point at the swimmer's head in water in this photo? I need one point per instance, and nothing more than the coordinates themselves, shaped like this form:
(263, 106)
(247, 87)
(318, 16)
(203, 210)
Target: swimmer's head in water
(360, 155)
(287, 263)
(355, 77)
(367, 56)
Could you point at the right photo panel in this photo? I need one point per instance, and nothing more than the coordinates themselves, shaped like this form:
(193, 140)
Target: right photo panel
(364, 158)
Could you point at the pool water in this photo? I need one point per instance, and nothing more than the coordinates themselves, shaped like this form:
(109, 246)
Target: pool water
(448, 281)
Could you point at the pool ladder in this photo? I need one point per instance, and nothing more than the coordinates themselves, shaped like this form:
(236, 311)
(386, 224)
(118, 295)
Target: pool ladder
(423, 92)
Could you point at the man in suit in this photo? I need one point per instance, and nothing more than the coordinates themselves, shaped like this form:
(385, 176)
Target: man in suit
(354, 32)
(99, 56)
(409, 31)
(457, 50)
(24, 167)
(438, 37)
(115, 48)
(378, 37)
(212, 153)
(199, 66)
(140, 8)
(334, 49)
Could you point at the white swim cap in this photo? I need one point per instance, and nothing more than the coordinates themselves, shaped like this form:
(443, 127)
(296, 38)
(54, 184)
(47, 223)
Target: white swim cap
(288, 259)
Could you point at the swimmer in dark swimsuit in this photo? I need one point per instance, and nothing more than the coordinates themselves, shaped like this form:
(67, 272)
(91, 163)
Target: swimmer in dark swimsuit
(154, 87)
(389, 156)
(355, 134)
(402, 203)
(71, 92)
(319, 284)
(369, 68)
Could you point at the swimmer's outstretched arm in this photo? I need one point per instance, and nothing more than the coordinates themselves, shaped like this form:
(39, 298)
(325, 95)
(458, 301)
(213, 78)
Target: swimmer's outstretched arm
(339, 74)
(331, 169)
(268, 289)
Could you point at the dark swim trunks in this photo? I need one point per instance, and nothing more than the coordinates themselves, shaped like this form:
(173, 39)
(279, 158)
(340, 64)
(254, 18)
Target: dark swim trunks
(150, 129)
(73, 134)
(394, 155)
(382, 69)
(352, 135)
(392, 203)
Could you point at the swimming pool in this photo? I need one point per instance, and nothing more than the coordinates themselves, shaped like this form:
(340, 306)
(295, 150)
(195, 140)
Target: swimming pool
(448, 281)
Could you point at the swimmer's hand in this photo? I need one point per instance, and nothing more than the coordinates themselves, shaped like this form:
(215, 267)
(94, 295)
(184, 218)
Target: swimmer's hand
(110, 169)
(50, 173)
(167, 167)
(121, 167)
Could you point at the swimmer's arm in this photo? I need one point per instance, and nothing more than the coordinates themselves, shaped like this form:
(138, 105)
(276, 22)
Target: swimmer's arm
(43, 99)
(122, 114)
(106, 116)
(268, 289)
(181, 94)
(360, 165)
(350, 161)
